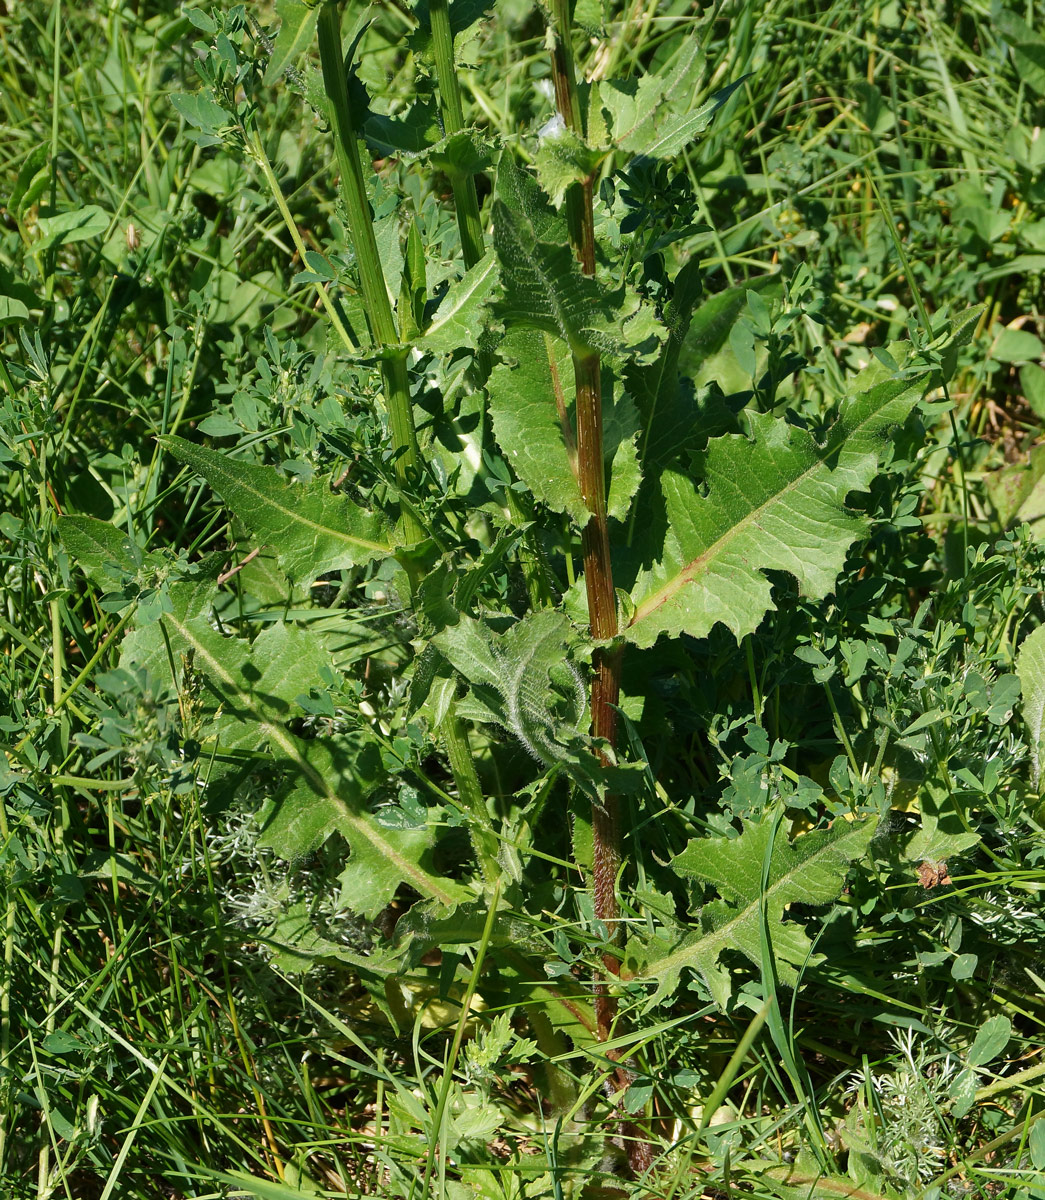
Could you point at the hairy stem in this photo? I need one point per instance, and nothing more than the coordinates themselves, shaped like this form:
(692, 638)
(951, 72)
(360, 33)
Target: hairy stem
(380, 317)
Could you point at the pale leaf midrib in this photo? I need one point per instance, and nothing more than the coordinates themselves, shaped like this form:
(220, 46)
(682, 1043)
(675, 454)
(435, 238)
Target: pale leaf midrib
(415, 875)
(668, 590)
(293, 515)
(441, 321)
(685, 954)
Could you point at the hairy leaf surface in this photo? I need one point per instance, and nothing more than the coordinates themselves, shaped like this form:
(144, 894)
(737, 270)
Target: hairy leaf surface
(104, 553)
(253, 689)
(544, 287)
(523, 680)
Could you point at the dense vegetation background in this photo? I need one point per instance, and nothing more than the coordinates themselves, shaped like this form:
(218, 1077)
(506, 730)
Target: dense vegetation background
(183, 1012)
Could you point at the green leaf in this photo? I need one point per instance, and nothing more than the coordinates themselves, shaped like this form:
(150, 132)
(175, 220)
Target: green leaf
(105, 554)
(1011, 486)
(1032, 382)
(465, 152)
(1028, 49)
(296, 31)
(809, 870)
(1016, 345)
(1030, 667)
(1036, 1144)
(532, 404)
(991, 1039)
(12, 310)
(776, 502)
(311, 529)
(412, 133)
(332, 778)
(251, 690)
(964, 966)
(654, 116)
(943, 833)
(564, 159)
(543, 284)
(963, 1092)
(261, 1189)
(75, 226)
(203, 113)
(460, 319)
(525, 681)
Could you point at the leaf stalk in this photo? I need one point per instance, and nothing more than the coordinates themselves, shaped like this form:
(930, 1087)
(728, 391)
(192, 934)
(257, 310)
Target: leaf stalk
(466, 198)
(380, 317)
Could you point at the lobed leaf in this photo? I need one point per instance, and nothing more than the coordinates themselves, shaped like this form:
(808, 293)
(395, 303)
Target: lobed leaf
(532, 404)
(653, 116)
(297, 28)
(544, 287)
(810, 870)
(774, 502)
(311, 529)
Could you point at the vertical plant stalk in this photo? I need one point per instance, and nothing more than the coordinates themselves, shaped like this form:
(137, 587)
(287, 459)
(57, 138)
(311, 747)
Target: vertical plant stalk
(473, 247)
(598, 575)
(394, 361)
(598, 567)
(371, 276)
